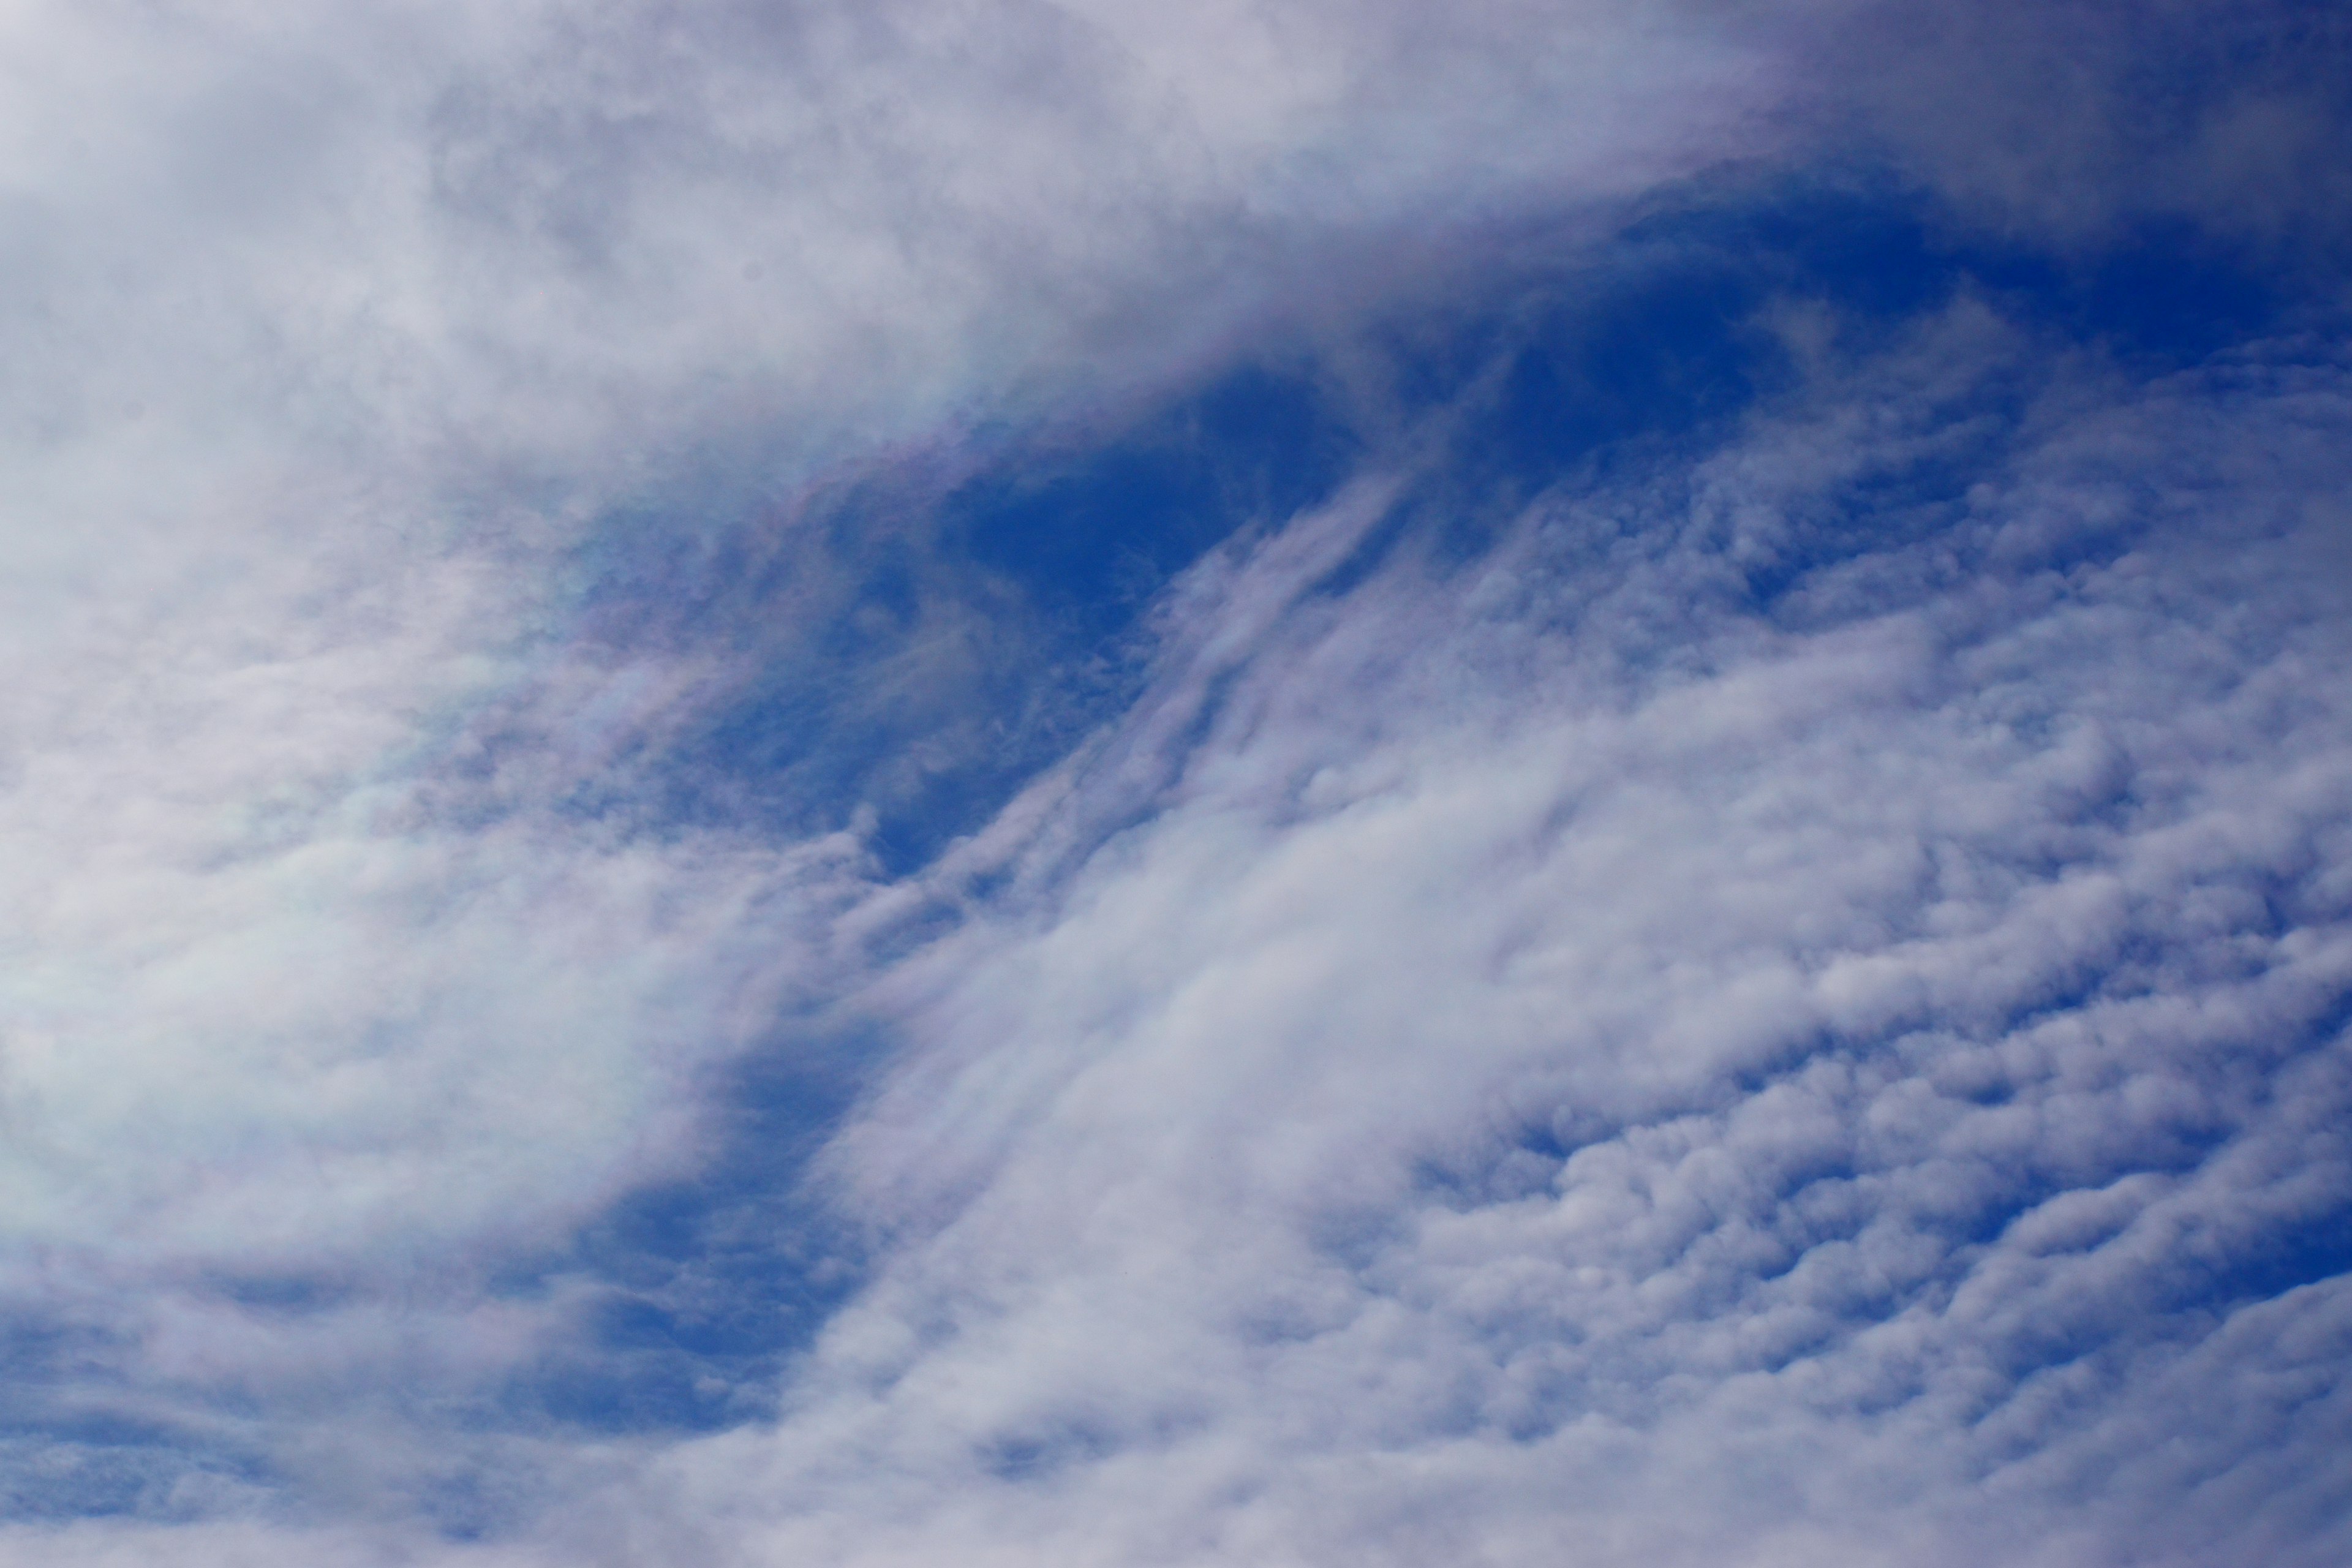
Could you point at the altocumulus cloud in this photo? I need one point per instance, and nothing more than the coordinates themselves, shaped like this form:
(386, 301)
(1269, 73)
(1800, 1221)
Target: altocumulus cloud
(1278, 784)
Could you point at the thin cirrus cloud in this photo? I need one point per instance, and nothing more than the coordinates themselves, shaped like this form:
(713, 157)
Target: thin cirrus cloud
(1716, 930)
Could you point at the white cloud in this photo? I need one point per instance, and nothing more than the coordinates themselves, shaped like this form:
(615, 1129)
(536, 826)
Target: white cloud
(334, 335)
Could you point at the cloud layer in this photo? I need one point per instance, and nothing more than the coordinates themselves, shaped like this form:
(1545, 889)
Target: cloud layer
(1793, 955)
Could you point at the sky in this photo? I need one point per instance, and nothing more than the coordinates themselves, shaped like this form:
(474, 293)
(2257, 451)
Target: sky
(996, 782)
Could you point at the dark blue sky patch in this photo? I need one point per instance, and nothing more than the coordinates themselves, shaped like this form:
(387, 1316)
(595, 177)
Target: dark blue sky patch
(2315, 1249)
(703, 1289)
(2161, 298)
(1587, 367)
(1090, 535)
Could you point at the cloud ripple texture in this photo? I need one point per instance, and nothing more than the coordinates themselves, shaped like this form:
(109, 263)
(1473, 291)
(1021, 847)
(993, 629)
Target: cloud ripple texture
(1100, 783)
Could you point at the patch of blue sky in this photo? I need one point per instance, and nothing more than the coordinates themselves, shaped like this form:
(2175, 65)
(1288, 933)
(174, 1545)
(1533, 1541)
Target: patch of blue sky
(697, 1292)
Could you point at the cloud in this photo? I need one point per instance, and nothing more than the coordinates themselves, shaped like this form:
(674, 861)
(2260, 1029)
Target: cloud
(370, 368)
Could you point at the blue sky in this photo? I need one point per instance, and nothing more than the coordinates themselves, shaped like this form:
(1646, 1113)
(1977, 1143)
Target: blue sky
(1278, 784)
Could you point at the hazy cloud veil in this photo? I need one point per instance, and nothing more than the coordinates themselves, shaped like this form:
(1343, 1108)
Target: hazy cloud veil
(1112, 783)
